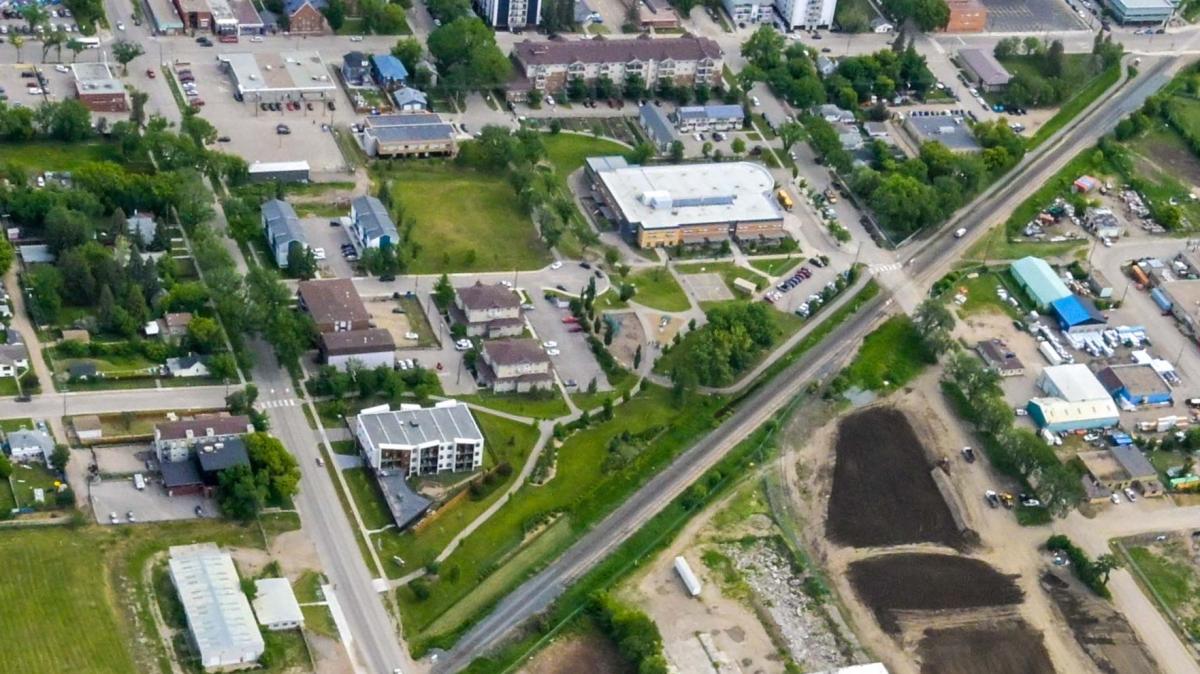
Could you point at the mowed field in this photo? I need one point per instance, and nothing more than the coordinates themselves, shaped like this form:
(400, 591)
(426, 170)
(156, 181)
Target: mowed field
(56, 608)
(466, 221)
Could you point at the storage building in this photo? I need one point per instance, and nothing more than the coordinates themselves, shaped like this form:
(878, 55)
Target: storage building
(282, 228)
(1038, 279)
(658, 127)
(98, 89)
(1135, 384)
(999, 358)
(1122, 467)
(1077, 314)
(1075, 400)
(220, 623)
(282, 171)
(983, 69)
(286, 76)
(275, 605)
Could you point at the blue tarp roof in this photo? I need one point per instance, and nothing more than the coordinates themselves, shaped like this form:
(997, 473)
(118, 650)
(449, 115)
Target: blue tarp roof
(390, 67)
(1074, 310)
(1120, 439)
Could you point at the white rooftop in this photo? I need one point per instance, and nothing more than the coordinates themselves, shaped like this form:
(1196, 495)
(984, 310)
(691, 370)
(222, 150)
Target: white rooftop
(285, 71)
(95, 78)
(1075, 382)
(661, 197)
(275, 603)
(272, 166)
(415, 426)
(218, 612)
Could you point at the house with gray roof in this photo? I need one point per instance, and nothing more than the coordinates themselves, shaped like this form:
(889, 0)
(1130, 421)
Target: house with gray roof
(282, 228)
(408, 99)
(706, 117)
(187, 366)
(658, 127)
(412, 134)
(983, 68)
(30, 444)
(371, 224)
(14, 358)
(519, 365)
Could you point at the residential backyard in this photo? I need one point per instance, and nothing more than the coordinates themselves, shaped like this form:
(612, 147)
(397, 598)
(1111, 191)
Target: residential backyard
(594, 470)
(466, 221)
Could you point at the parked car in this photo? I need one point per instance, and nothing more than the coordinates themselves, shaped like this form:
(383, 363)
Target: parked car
(968, 454)
(556, 265)
(282, 129)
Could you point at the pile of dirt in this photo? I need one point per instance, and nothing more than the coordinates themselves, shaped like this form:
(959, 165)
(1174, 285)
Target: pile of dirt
(1102, 631)
(883, 493)
(588, 653)
(1007, 648)
(889, 584)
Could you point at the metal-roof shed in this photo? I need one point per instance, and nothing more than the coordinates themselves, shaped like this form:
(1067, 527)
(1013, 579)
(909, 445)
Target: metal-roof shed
(1039, 280)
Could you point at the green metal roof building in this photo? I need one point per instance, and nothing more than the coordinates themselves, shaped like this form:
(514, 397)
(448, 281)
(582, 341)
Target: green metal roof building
(1039, 280)
(1141, 11)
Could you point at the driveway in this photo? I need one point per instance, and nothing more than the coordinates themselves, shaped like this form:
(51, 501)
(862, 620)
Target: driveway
(575, 360)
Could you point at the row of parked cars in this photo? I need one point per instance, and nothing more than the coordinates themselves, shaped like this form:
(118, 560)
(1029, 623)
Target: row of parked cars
(787, 284)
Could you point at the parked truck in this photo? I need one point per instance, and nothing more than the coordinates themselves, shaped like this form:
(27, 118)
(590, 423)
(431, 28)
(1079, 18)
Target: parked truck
(1050, 353)
(689, 579)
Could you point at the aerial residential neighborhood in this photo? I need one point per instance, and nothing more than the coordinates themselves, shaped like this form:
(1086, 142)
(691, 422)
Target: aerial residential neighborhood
(600, 336)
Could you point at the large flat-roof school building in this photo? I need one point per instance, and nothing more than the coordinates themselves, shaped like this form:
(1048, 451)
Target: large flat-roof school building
(689, 203)
(286, 76)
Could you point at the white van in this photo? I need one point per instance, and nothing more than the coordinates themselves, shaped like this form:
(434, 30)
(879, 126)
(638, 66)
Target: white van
(139, 481)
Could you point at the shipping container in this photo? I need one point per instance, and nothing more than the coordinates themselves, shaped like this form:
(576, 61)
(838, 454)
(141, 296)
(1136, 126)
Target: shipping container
(1160, 298)
(1050, 353)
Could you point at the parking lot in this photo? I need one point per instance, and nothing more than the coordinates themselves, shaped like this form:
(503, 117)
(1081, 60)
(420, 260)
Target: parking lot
(252, 131)
(330, 239)
(151, 504)
(61, 85)
(1031, 16)
(575, 361)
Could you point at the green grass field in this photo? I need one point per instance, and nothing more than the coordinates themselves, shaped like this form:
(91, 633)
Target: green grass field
(466, 221)
(567, 151)
(775, 266)
(1094, 88)
(728, 271)
(54, 156)
(657, 289)
(26, 478)
(1167, 570)
(995, 246)
(583, 489)
(10, 425)
(368, 500)
(540, 405)
(982, 297)
(890, 357)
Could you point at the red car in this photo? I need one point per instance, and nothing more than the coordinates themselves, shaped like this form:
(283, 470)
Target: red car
(150, 73)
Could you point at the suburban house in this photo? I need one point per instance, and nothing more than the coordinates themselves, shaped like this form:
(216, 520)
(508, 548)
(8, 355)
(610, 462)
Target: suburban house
(143, 226)
(275, 605)
(30, 444)
(356, 68)
(415, 440)
(221, 625)
(548, 66)
(835, 115)
(305, 17)
(333, 304)
(14, 359)
(282, 228)
(176, 440)
(489, 311)
(187, 366)
(368, 348)
(175, 324)
(514, 365)
(407, 99)
(370, 223)
(999, 359)
(388, 71)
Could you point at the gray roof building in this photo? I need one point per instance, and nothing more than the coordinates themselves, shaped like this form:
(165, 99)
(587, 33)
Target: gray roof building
(408, 98)
(218, 454)
(30, 443)
(371, 222)
(710, 113)
(948, 130)
(223, 628)
(282, 228)
(616, 51)
(407, 134)
(989, 72)
(655, 122)
(275, 604)
(412, 426)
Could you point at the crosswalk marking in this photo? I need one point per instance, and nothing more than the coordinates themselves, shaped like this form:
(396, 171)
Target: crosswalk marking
(270, 404)
(877, 269)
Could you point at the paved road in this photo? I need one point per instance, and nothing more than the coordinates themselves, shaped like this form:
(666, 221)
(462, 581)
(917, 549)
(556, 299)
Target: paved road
(374, 646)
(931, 259)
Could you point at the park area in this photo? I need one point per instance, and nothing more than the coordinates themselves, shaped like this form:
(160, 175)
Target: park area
(658, 289)
(584, 478)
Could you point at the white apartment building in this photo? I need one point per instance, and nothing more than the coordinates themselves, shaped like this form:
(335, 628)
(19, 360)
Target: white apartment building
(510, 13)
(417, 440)
(806, 14)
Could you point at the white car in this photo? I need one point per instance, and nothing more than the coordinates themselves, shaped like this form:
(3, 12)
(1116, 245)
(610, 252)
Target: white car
(550, 344)
(506, 284)
(356, 38)
(41, 182)
(556, 265)
(549, 100)
(120, 25)
(62, 69)
(462, 345)
(1130, 494)
(1115, 498)
(552, 352)
(256, 38)
(754, 101)
(412, 336)
(35, 91)
(318, 253)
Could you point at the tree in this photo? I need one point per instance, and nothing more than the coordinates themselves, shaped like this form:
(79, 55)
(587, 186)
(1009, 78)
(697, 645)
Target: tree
(738, 146)
(676, 152)
(467, 55)
(934, 321)
(335, 14)
(137, 107)
(76, 47)
(443, 293)
(7, 255)
(409, 51)
(790, 133)
(18, 41)
(125, 52)
(6, 467)
(204, 334)
(275, 465)
(641, 153)
(35, 15)
(53, 39)
(764, 49)
(301, 261)
(242, 492)
(60, 457)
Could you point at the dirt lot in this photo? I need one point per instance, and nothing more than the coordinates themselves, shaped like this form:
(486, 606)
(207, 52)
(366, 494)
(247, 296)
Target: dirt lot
(1009, 648)
(397, 325)
(579, 654)
(883, 493)
(893, 584)
(629, 337)
(1103, 632)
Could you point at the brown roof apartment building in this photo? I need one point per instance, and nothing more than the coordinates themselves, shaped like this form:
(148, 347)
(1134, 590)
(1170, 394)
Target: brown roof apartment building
(488, 310)
(334, 305)
(173, 441)
(514, 365)
(547, 66)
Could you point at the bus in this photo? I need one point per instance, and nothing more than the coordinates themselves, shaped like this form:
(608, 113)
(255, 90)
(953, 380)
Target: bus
(785, 199)
(88, 42)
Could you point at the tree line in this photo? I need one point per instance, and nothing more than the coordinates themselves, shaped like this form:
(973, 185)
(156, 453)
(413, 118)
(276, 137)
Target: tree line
(1052, 79)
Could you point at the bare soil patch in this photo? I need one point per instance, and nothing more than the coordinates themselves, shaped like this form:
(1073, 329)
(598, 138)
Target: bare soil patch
(1103, 632)
(883, 493)
(1011, 648)
(588, 653)
(891, 584)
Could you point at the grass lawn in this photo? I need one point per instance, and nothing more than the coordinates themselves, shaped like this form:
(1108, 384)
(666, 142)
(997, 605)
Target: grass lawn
(274, 524)
(657, 289)
(981, 295)
(1094, 88)
(584, 489)
(308, 587)
(10, 425)
(890, 356)
(728, 271)
(345, 447)
(52, 156)
(1167, 571)
(319, 620)
(466, 221)
(365, 492)
(541, 405)
(507, 441)
(29, 476)
(775, 266)
(567, 151)
(996, 246)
